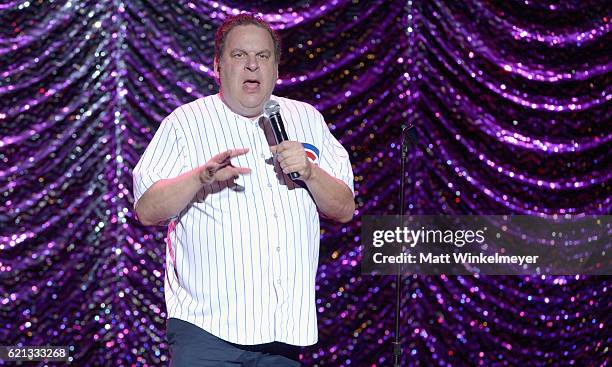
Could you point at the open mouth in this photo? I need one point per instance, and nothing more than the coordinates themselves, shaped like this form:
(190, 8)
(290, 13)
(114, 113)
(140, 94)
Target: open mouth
(251, 84)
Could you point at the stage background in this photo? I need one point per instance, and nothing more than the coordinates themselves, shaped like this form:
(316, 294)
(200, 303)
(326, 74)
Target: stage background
(511, 103)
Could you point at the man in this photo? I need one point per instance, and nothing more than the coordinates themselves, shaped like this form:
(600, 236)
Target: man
(243, 238)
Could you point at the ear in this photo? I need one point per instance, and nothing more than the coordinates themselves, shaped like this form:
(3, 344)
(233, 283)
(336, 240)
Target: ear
(216, 69)
(276, 74)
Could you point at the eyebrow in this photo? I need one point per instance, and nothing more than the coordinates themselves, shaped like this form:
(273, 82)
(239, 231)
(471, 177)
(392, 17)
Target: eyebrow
(266, 51)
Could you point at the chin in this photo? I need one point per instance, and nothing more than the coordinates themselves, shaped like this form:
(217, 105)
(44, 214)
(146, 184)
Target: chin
(254, 104)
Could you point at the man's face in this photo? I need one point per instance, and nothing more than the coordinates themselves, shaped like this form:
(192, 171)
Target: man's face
(247, 70)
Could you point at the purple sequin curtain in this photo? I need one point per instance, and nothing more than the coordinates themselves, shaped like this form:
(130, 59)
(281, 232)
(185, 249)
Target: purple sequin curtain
(510, 100)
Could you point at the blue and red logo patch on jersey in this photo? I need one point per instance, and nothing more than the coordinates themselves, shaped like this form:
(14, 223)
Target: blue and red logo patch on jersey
(312, 152)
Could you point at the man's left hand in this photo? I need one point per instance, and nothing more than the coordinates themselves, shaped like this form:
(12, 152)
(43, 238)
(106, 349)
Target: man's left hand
(291, 157)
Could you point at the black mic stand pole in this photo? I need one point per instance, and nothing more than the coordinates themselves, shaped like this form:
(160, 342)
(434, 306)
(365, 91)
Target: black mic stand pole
(410, 133)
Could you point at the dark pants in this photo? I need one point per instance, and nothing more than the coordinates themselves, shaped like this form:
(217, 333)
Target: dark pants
(190, 346)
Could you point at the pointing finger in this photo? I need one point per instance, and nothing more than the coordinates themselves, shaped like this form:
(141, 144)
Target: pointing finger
(229, 154)
(236, 152)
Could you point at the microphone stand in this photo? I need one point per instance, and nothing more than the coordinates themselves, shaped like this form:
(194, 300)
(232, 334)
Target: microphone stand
(408, 133)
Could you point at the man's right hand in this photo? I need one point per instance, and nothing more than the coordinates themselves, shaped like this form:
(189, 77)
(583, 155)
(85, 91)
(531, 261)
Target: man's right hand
(166, 198)
(220, 168)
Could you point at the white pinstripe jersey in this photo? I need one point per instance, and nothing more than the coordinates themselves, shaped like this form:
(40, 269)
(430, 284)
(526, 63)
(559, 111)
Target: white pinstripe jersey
(241, 259)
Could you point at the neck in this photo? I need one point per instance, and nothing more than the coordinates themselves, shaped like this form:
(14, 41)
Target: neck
(251, 116)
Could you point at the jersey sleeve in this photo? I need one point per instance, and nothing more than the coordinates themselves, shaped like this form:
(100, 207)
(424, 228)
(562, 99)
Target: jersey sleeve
(334, 159)
(163, 158)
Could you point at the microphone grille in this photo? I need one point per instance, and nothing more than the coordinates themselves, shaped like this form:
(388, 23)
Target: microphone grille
(270, 108)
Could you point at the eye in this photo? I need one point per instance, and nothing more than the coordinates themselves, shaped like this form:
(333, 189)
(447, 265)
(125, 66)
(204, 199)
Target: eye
(263, 56)
(238, 55)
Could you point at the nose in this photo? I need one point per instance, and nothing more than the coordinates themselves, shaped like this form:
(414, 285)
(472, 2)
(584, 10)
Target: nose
(251, 63)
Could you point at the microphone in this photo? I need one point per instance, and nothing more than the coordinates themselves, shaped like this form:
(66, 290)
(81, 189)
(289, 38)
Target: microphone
(272, 112)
